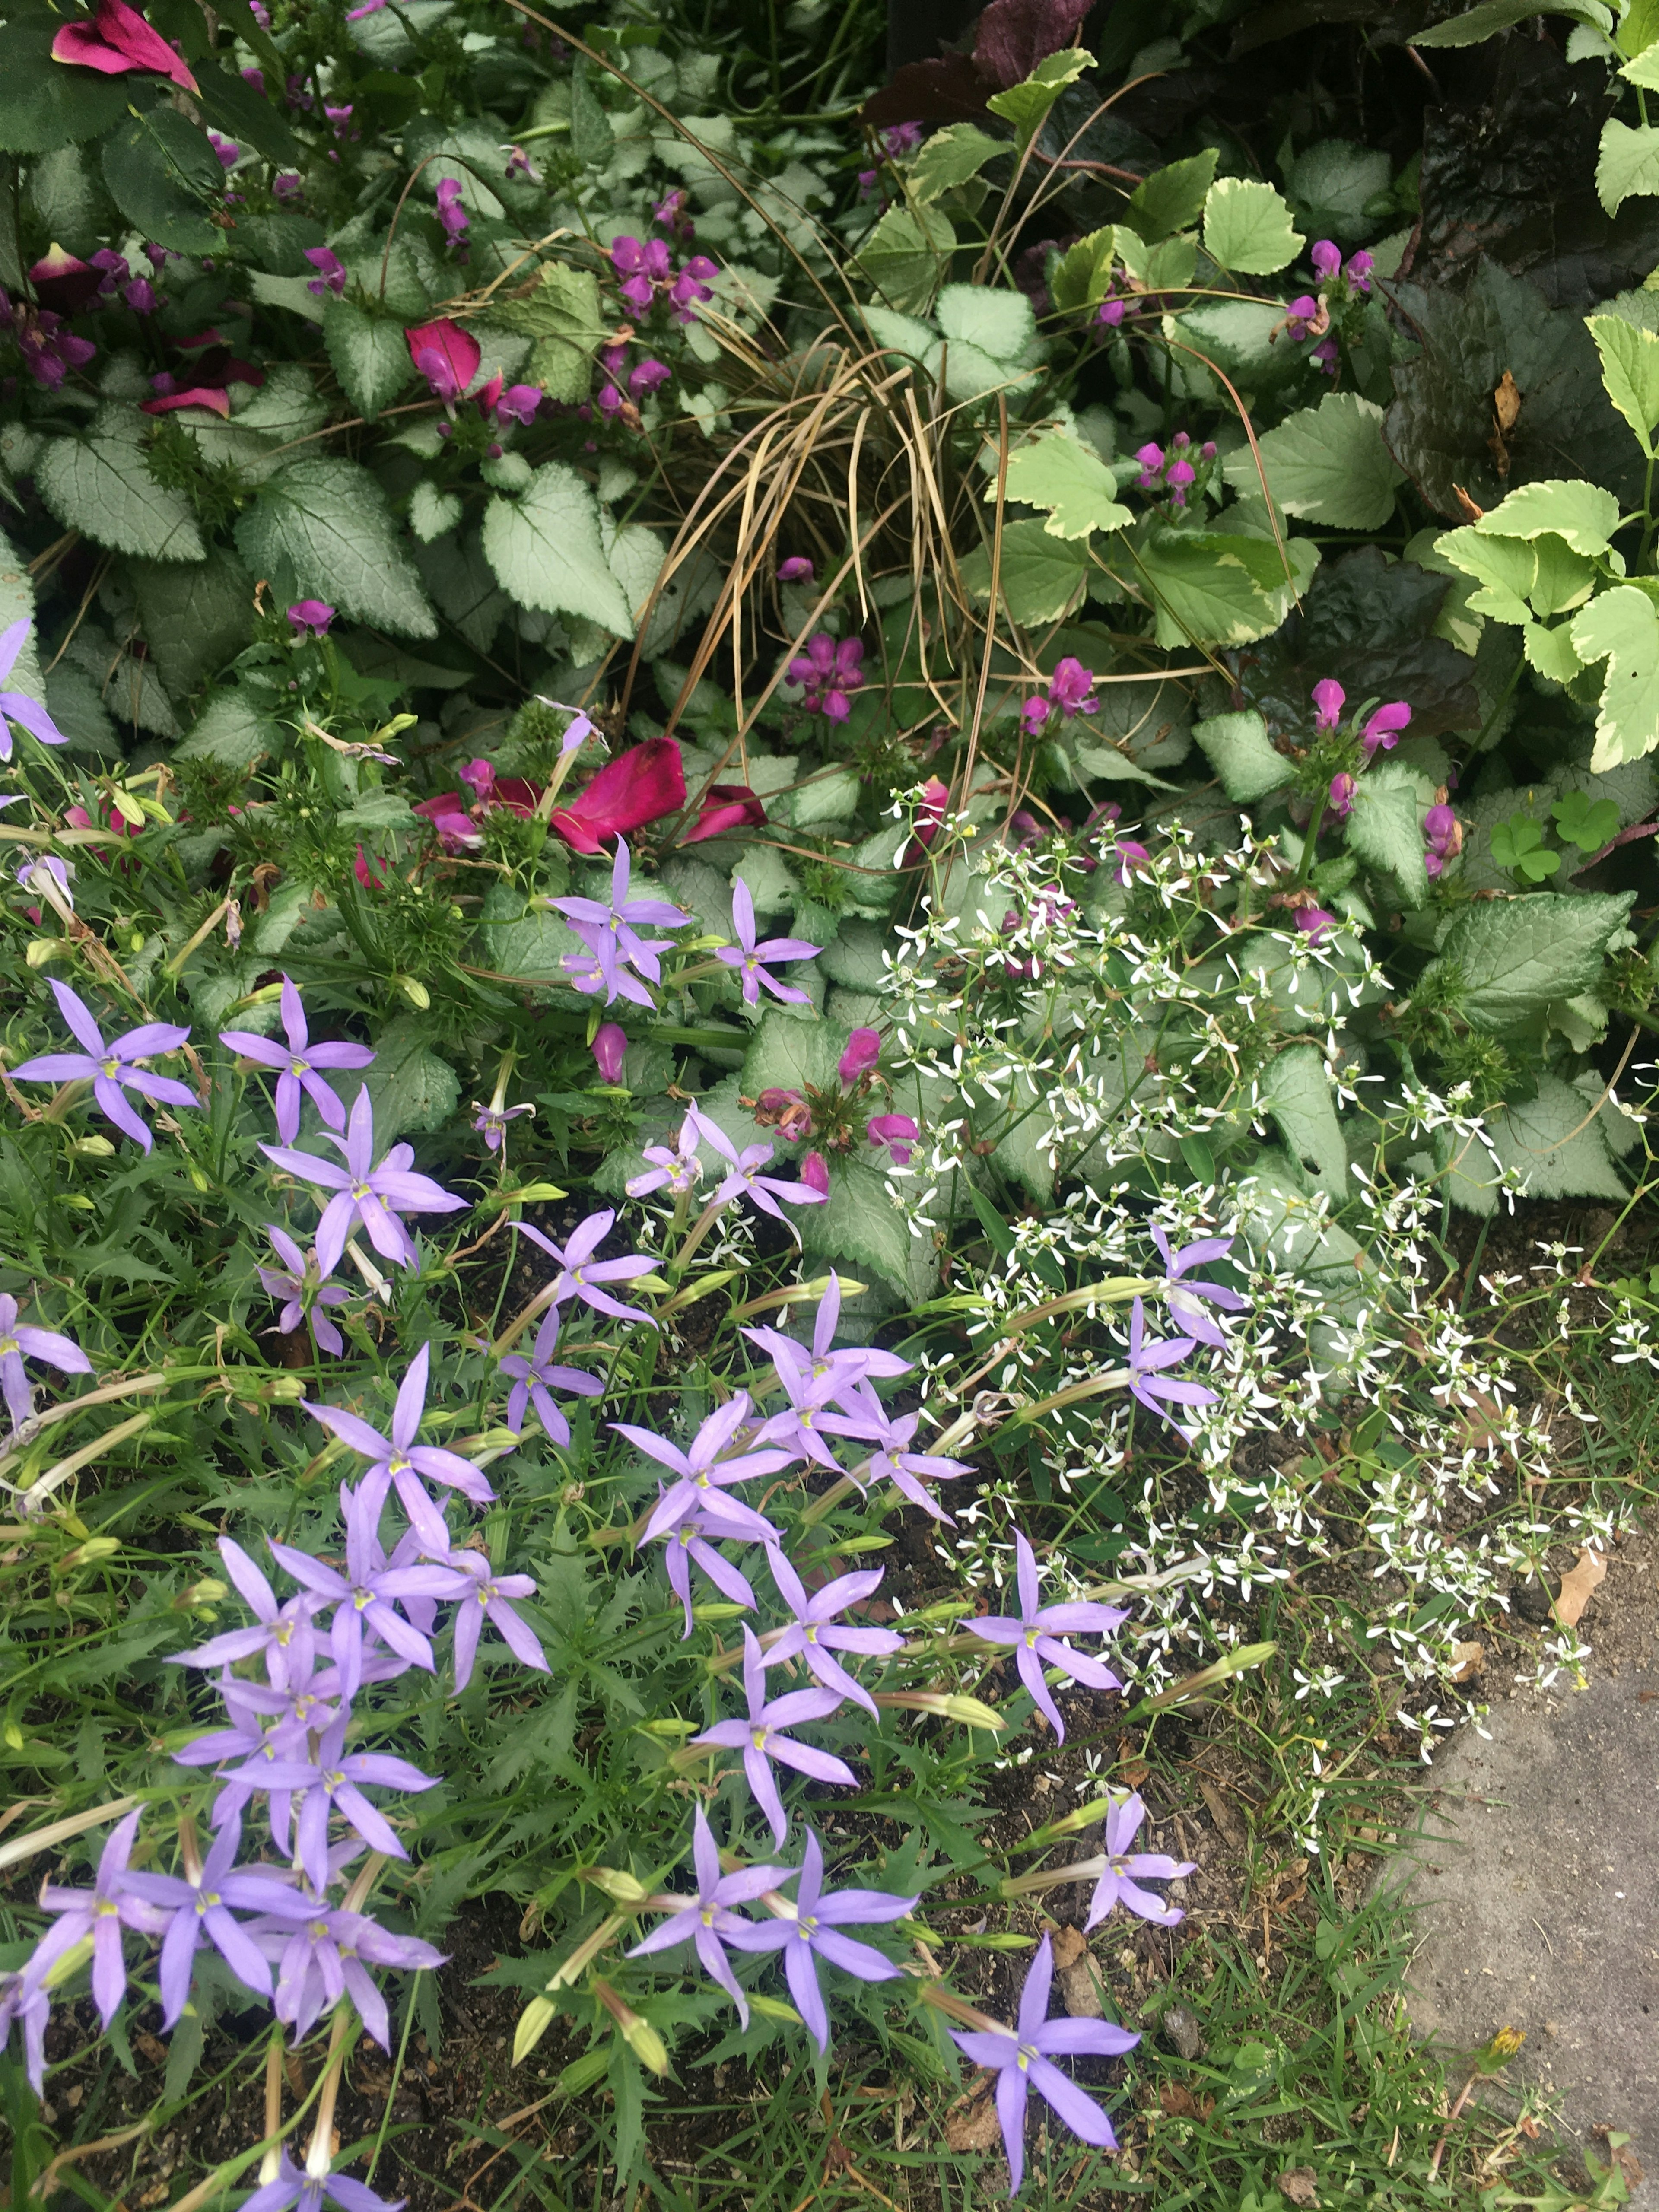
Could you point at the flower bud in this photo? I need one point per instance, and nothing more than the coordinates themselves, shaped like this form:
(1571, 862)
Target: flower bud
(610, 1050)
(815, 1173)
(863, 1050)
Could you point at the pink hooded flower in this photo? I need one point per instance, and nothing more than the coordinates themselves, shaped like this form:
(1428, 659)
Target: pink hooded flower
(1329, 698)
(446, 356)
(639, 785)
(117, 41)
(725, 806)
(1382, 732)
(897, 1132)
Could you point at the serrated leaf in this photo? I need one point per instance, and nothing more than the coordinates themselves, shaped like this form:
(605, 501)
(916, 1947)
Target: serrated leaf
(1247, 228)
(1629, 370)
(411, 1087)
(1622, 627)
(1583, 514)
(1172, 197)
(431, 512)
(1025, 105)
(1208, 588)
(1326, 463)
(1554, 1140)
(232, 730)
(1041, 579)
(369, 353)
(1239, 750)
(1478, 23)
(163, 173)
(1627, 165)
(1332, 183)
(1239, 336)
(100, 485)
(563, 317)
(1551, 651)
(463, 583)
(1514, 956)
(1297, 1091)
(196, 619)
(324, 524)
(950, 158)
(1000, 324)
(1071, 480)
(1081, 277)
(593, 141)
(545, 550)
(1385, 824)
(906, 254)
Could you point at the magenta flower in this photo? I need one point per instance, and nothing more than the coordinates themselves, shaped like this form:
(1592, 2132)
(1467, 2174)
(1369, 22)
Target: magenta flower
(863, 1051)
(745, 1176)
(111, 1067)
(375, 1195)
(331, 271)
(690, 288)
(19, 1339)
(298, 1064)
(708, 1917)
(367, 1597)
(1118, 1885)
(17, 706)
(481, 1594)
(399, 1460)
(610, 1050)
(761, 1737)
(702, 1476)
(581, 1276)
(750, 958)
(1035, 1634)
(1359, 273)
(1314, 922)
(1381, 731)
(301, 1283)
(797, 569)
(452, 217)
(897, 1132)
(1443, 834)
(1327, 260)
(641, 266)
(815, 1173)
(311, 615)
(533, 1379)
(193, 1907)
(447, 356)
(1022, 2058)
(115, 41)
(1186, 1300)
(1147, 1382)
(810, 1929)
(1329, 699)
(1150, 458)
(828, 673)
(1339, 798)
(813, 1632)
(101, 1912)
(1305, 317)
(646, 377)
(678, 1168)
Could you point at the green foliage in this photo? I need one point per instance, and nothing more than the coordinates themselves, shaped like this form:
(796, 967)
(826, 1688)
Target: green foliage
(1247, 228)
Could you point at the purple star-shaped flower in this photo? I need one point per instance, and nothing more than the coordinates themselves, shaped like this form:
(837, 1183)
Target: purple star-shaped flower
(364, 1192)
(284, 1637)
(1023, 2060)
(533, 1379)
(17, 706)
(824, 1375)
(296, 2189)
(678, 1169)
(101, 1912)
(399, 1460)
(581, 1276)
(810, 1929)
(334, 1781)
(298, 1063)
(1186, 1300)
(327, 1956)
(750, 958)
(814, 1633)
(1035, 1633)
(481, 1594)
(1124, 1871)
(745, 1175)
(892, 1460)
(366, 1598)
(702, 1474)
(609, 932)
(1151, 1386)
(19, 1338)
(761, 1738)
(109, 1067)
(299, 1282)
(199, 1905)
(708, 1917)
(27, 2004)
(694, 1538)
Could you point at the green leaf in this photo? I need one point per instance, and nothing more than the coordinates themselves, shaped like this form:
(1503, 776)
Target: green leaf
(1582, 514)
(1070, 480)
(564, 318)
(46, 104)
(369, 353)
(1622, 627)
(905, 256)
(1518, 846)
(593, 141)
(950, 158)
(1385, 825)
(1239, 750)
(1629, 370)
(1000, 324)
(196, 619)
(1171, 198)
(1554, 1140)
(1247, 228)
(101, 486)
(1244, 338)
(323, 526)
(411, 1088)
(1297, 1091)
(1479, 23)
(1584, 822)
(462, 583)
(163, 173)
(1506, 569)
(545, 550)
(1512, 956)
(1331, 184)
(232, 730)
(1208, 588)
(231, 106)
(1042, 577)
(1025, 105)
(431, 512)
(1627, 166)
(1083, 273)
(1327, 463)
(1551, 651)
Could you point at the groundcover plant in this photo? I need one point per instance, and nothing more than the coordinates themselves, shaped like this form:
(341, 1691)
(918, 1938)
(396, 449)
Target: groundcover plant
(1004, 721)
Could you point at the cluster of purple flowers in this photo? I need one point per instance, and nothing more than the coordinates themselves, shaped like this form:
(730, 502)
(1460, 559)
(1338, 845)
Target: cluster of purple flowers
(829, 672)
(48, 351)
(1070, 691)
(646, 269)
(453, 218)
(1176, 473)
(1307, 317)
(645, 377)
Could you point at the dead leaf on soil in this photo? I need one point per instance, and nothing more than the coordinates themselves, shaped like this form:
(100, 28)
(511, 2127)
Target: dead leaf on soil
(1180, 2104)
(971, 2124)
(1079, 1977)
(1300, 2185)
(1579, 1586)
(1223, 1814)
(1466, 1659)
